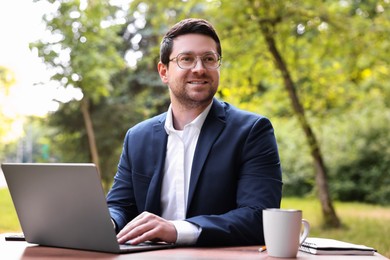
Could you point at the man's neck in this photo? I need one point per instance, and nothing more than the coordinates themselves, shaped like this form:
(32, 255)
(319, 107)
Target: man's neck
(184, 115)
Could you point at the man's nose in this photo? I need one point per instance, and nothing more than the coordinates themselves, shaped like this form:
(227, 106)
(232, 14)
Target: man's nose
(199, 65)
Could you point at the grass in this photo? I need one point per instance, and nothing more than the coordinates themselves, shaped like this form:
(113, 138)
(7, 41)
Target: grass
(8, 219)
(362, 223)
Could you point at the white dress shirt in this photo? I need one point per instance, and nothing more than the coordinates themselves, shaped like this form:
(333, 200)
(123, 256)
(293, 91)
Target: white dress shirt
(177, 172)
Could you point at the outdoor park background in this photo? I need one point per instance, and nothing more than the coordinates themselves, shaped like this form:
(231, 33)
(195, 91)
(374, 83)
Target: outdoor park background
(319, 70)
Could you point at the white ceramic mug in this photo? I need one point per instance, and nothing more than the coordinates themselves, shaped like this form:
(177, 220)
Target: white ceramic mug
(282, 231)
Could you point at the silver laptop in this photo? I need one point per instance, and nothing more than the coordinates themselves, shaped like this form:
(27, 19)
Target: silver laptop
(64, 205)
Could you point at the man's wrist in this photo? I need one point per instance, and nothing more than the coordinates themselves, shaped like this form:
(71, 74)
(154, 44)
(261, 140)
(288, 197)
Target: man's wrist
(187, 233)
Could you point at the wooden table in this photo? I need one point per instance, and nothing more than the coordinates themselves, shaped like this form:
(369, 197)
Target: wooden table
(23, 250)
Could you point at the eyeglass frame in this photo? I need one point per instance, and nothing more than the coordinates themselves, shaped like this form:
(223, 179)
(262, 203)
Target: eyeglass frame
(198, 57)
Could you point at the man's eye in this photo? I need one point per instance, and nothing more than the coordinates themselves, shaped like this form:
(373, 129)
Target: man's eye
(209, 59)
(187, 58)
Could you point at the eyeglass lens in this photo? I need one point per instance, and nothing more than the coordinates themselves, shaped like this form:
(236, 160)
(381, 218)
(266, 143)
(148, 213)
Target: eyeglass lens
(189, 60)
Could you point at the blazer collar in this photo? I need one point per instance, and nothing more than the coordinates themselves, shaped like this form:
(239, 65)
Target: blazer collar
(212, 127)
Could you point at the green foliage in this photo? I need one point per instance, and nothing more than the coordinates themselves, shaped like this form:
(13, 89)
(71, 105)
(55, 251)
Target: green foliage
(82, 52)
(83, 49)
(360, 171)
(298, 174)
(356, 150)
(33, 145)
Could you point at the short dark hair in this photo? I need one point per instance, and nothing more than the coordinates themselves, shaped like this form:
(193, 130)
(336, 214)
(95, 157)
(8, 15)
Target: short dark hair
(186, 26)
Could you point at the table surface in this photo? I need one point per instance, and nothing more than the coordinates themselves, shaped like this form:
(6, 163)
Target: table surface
(23, 250)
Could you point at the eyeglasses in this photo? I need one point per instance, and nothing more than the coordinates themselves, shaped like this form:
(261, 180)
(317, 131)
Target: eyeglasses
(210, 60)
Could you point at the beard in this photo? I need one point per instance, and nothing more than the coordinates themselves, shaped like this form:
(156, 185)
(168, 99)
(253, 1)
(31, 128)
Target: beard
(190, 98)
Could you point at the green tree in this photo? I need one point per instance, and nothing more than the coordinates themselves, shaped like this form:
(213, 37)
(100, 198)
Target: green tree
(268, 29)
(82, 53)
(320, 52)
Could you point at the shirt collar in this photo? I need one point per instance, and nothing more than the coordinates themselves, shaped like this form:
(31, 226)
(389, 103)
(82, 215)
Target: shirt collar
(197, 122)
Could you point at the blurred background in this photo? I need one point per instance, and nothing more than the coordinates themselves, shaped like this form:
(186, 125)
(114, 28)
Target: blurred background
(76, 74)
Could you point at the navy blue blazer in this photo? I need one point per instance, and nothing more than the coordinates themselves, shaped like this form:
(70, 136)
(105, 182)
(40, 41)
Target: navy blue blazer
(236, 173)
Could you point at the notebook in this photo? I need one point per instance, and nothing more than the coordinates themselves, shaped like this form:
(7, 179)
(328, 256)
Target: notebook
(326, 246)
(64, 205)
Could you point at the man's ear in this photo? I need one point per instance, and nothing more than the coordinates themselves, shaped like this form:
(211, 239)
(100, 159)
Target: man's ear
(163, 72)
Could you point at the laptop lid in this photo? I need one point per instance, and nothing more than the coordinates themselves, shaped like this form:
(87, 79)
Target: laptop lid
(64, 205)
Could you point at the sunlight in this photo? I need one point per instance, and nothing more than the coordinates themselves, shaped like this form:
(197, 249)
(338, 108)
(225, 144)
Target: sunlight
(33, 93)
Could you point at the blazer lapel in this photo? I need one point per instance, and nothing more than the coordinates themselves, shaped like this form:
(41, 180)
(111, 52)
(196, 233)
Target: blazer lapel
(153, 197)
(213, 125)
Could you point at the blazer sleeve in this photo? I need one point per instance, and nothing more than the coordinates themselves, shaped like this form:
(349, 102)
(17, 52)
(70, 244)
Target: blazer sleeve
(259, 186)
(120, 198)
(136, 183)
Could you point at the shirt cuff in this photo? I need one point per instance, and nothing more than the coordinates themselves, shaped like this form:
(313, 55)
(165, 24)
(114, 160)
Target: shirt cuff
(187, 233)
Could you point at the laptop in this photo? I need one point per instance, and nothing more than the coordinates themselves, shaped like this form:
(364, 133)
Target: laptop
(64, 205)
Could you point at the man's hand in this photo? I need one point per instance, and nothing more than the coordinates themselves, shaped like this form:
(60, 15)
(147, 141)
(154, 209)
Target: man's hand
(147, 227)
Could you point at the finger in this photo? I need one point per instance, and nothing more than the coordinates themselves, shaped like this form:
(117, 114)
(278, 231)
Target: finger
(132, 224)
(137, 233)
(156, 230)
(147, 227)
(137, 227)
(146, 236)
(141, 216)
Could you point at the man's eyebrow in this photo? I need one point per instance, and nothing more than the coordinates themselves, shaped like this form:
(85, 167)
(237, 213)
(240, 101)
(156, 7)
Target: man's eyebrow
(187, 52)
(204, 53)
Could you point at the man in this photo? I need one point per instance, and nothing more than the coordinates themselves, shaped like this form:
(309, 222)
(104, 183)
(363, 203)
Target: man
(201, 173)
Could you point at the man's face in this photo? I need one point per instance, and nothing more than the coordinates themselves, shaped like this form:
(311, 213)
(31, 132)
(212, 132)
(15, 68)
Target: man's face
(191, 87)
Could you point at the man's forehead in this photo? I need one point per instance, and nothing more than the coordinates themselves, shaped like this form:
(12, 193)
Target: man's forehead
(196, 43)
